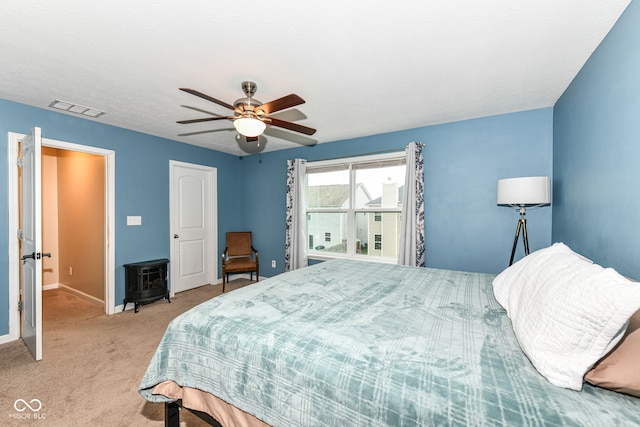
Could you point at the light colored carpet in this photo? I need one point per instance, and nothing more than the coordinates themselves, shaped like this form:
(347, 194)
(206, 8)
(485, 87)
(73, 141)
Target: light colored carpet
(92, 363)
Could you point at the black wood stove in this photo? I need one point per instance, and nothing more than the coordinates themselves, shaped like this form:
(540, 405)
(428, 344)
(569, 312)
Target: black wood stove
(146, 282)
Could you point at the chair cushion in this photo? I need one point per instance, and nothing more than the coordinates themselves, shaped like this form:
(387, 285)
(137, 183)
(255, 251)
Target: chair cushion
(240, 264)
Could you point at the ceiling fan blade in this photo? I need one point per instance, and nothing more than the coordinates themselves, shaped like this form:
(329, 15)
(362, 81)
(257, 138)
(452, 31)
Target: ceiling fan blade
(296, 138)
(206, 119)
(202, 132)
(292, 126)
(281, 103)
(207, 97)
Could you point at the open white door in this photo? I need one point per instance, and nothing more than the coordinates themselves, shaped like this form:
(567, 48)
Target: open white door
(31, 236)
(193, 224)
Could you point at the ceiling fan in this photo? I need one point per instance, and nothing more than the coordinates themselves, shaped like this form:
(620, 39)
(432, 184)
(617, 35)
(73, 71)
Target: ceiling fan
(251, 117)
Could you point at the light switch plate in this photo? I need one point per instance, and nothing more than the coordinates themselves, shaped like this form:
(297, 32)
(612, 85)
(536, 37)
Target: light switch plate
(134, 220)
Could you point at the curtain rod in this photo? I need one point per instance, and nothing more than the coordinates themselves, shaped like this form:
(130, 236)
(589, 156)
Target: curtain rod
(390, 150)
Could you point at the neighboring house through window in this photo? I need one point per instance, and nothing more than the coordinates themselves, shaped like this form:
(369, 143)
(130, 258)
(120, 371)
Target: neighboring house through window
(354, 206)
(377, 239)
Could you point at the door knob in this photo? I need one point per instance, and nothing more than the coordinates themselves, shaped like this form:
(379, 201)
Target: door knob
(175, 236)
(26, 257)
(32, 255)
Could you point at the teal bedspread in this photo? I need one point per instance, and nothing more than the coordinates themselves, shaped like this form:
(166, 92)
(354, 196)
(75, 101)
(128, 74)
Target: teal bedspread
(350, 343)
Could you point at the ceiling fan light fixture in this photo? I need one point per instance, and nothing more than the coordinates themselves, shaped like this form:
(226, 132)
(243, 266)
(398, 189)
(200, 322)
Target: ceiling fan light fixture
(248, 126)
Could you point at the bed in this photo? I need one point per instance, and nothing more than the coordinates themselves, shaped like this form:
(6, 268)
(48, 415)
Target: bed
(356, 343)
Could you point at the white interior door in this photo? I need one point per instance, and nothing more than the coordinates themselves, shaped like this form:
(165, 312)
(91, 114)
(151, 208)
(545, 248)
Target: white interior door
(31, 253)
(193, 224)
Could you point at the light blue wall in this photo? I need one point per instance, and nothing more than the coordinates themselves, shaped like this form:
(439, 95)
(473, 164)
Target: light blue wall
(589, 142)
(597, 152)
(465, 229)
(142, 185)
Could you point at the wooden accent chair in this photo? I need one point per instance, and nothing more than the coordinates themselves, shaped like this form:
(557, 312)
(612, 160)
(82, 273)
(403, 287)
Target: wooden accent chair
(238, 256)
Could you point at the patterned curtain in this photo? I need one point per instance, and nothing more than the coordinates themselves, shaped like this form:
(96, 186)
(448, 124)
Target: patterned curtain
(296, 228)
(412, 249)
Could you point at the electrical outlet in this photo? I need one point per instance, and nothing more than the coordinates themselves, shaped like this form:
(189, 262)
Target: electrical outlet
(273, 263)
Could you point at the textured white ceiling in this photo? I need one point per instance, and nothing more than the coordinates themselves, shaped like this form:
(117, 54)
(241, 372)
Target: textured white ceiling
(363, 66)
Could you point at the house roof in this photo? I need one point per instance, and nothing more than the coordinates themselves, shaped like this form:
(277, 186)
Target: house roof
(363, 67)
(332, 195)
(327, 196)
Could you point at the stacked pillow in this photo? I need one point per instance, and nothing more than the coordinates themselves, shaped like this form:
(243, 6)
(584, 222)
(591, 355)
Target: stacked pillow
(568, 313)
(620, 369)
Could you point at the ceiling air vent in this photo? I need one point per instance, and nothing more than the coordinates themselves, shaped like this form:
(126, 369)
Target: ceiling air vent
(75, 108)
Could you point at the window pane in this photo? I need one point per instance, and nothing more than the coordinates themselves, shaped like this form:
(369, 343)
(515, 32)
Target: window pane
(379, 187)
(327, 232)
(378, 237)
(328, 189)
(354, 205)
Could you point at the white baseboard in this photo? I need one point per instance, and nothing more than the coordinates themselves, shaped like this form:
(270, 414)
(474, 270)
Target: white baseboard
(80, 294)
(242, 276)
(218, 283)
(50, 286)
(6, 338)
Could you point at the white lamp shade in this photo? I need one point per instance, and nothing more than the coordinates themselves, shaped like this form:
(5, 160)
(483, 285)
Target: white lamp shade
(248, 126)
(531, 190)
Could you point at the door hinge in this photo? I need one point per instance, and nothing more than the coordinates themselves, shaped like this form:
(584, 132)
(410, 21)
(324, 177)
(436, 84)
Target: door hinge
(20, 306)
(20, 162)
(20, 234)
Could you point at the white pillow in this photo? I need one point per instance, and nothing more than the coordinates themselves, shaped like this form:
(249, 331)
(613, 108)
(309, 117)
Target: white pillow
(566, 312)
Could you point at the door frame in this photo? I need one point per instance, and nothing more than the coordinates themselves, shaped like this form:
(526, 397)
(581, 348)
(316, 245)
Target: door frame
(14, 251)
(212, 237)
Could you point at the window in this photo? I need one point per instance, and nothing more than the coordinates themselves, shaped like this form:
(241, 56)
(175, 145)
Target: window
(354, 207)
